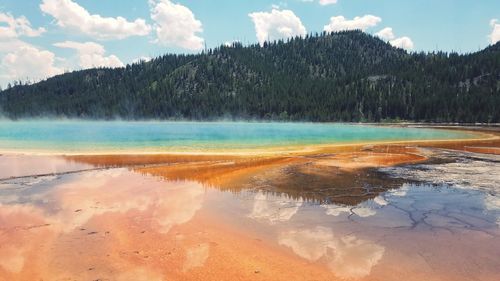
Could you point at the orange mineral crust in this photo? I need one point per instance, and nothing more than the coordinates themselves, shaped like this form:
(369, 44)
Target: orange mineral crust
(324, 213)
(119, 226)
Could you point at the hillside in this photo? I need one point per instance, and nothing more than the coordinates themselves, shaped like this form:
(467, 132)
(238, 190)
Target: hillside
(346, 76)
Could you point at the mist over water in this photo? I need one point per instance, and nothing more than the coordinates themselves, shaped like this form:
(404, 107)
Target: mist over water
(157, 136)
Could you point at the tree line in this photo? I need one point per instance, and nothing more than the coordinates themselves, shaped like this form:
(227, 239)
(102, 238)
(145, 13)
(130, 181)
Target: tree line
(346, 76)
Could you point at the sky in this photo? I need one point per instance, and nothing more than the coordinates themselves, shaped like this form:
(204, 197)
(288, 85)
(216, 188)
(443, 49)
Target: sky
(43, 38)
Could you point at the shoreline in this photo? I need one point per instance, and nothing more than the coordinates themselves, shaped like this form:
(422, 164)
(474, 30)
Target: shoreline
(402, 122)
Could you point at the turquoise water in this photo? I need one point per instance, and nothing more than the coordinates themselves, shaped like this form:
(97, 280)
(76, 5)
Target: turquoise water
(94, 136)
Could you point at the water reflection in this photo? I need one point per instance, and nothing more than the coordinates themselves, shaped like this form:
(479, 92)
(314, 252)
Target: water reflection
(278, 209)
(460, 169)
(492, 204)
(22, 165)
(89, 220)
(124, 225)
(347, 256)
(336, 210)
(315, 179)
(353, 240)
(196, 256)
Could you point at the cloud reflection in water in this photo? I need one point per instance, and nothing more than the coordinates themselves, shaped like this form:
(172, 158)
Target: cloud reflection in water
(80, 208)
(347, 256)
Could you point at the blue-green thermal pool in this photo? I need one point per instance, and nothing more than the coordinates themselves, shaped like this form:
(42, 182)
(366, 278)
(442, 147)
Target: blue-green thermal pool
(122, 136)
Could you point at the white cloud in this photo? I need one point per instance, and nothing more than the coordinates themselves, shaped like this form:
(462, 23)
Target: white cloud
(91, 54)
(69, 14)
(142, 59)
(10, 45)
(495, 34)
(385, 34)
(327, 2)
(340, 23)
(11, 27)
(176, 25)
(274, 25)
(232, 43)
(20, 60)
(402, 42)
(27, 62)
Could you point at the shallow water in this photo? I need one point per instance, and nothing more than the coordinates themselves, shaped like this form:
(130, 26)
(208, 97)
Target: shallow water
(122, 225)
(89, 136)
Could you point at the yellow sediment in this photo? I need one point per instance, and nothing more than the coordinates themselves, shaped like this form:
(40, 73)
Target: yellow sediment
(225, 170)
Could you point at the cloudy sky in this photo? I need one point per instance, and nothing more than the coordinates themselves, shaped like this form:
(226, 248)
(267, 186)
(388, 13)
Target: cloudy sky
(42, 38)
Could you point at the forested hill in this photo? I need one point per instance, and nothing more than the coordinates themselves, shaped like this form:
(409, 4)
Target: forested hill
(346, 76)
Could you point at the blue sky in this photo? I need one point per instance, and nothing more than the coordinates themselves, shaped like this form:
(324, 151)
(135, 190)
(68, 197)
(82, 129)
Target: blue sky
(41, 38)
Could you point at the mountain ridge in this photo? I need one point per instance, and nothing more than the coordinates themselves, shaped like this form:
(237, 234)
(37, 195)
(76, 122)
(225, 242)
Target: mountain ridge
(343, 76)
